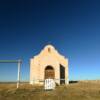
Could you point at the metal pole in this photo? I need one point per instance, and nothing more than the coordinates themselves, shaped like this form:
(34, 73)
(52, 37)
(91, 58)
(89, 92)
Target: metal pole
(18, 77)
(19, 64)
(9, 61)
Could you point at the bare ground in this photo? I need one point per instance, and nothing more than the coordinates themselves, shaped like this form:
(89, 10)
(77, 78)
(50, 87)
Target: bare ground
(76, 91)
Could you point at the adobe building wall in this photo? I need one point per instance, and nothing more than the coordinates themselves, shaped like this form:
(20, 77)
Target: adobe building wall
(47, 57)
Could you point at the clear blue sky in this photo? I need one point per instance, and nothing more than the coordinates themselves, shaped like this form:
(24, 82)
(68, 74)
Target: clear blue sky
(72, 26)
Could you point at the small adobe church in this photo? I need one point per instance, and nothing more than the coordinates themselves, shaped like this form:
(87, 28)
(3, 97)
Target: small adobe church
(49, 64)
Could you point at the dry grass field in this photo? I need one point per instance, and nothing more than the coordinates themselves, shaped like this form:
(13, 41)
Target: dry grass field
(75, 91)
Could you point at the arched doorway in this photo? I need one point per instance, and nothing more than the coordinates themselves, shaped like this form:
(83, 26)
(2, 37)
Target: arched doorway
(49, 72)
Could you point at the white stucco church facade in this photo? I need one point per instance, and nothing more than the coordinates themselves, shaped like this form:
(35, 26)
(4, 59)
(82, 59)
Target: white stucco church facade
(49, 64)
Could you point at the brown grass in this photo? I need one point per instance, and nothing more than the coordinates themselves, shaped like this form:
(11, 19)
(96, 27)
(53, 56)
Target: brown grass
(75, 91)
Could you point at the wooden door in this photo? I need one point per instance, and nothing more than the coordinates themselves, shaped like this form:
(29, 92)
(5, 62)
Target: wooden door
(49, 73)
